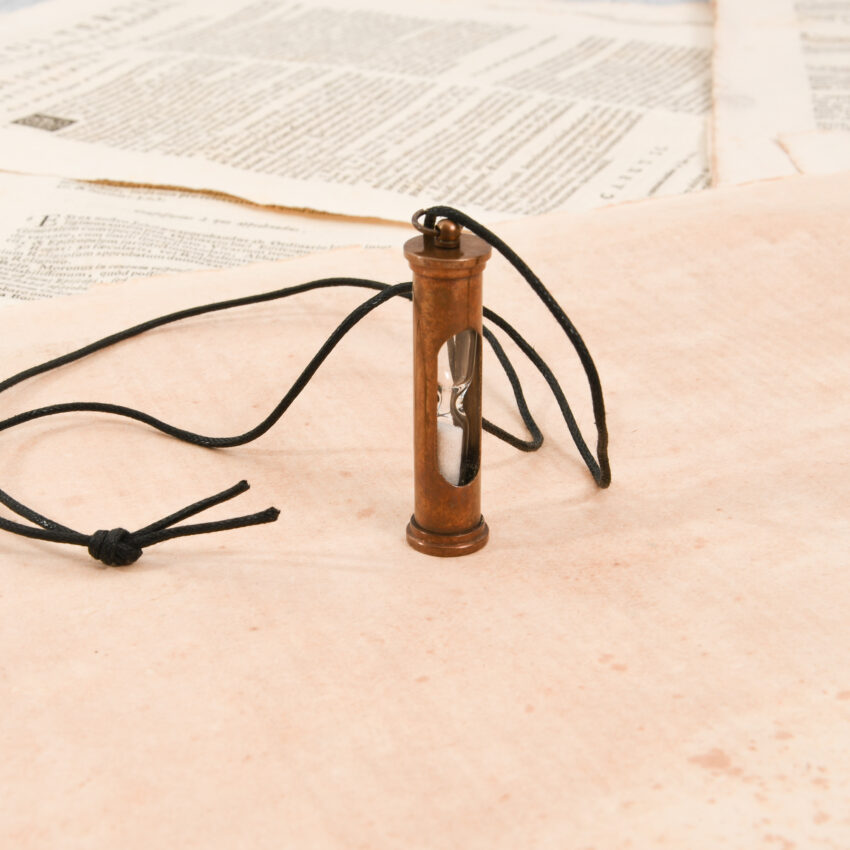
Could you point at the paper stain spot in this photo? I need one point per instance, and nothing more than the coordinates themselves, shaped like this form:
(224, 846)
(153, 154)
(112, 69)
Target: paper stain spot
(784, 843)
(782, 735)
(821, 817)
(713, 760)
(699, 543)
(620, 668)
(345, 473)
(604, 658)
(844, 695)
(363, 513)
(424, 679)
(529, 709)
(504, 798)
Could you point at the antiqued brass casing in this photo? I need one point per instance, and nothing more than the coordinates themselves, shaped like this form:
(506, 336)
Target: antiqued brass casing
(447, 301)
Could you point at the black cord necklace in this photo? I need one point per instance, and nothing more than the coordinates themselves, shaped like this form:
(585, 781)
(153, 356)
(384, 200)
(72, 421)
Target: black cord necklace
(119, 547)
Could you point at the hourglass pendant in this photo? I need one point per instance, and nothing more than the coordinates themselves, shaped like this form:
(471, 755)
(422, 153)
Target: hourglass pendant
(447, 319)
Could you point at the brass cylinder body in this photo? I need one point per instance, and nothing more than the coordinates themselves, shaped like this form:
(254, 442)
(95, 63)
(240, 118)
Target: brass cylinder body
(447, 348)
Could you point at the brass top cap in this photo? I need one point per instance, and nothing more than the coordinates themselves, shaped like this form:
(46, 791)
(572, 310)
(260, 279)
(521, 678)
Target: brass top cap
(445, 247)
(469, 254)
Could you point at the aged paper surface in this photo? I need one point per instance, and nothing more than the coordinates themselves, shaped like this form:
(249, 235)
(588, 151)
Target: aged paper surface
(818, 152)
(665, 14)
(63, 236)
(503, 113)
(662, 664)
(781, 88)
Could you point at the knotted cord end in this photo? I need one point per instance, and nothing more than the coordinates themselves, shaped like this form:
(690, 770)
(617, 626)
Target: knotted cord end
(120, 548)
(115, 548)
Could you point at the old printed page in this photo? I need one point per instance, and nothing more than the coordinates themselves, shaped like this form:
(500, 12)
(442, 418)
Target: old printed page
(781, 88)
(503, 113)
(63, 236)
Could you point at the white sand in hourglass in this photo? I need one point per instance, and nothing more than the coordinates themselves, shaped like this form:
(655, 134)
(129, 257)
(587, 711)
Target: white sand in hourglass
(449, 449)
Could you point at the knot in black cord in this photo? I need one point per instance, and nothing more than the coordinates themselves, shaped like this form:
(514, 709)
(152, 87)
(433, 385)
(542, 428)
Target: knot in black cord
(119, 547)
(115, 548)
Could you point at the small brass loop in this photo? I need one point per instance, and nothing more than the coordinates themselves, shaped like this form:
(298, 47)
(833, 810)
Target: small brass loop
(428, 231)
(446, 232)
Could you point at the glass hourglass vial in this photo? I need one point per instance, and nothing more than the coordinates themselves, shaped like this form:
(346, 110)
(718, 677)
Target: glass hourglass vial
(458, 462)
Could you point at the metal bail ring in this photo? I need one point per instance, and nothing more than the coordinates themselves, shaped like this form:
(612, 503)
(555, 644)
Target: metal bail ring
(427, 231)
(446, 233)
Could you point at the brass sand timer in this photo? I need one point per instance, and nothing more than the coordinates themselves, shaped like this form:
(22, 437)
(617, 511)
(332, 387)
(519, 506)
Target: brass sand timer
(447, 347)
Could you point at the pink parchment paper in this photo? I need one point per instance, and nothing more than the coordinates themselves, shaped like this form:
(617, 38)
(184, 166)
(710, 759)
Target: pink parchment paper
(664, 664)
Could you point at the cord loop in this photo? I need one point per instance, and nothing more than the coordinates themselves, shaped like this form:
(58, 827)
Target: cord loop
(119, 547)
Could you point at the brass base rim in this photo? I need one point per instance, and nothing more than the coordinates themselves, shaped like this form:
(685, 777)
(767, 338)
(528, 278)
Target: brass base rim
(447, 545)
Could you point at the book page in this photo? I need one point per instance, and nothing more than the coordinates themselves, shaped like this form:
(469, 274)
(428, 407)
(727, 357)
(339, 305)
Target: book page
(781, 88)
(648, 12)
(62, 236)
(361, 108)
